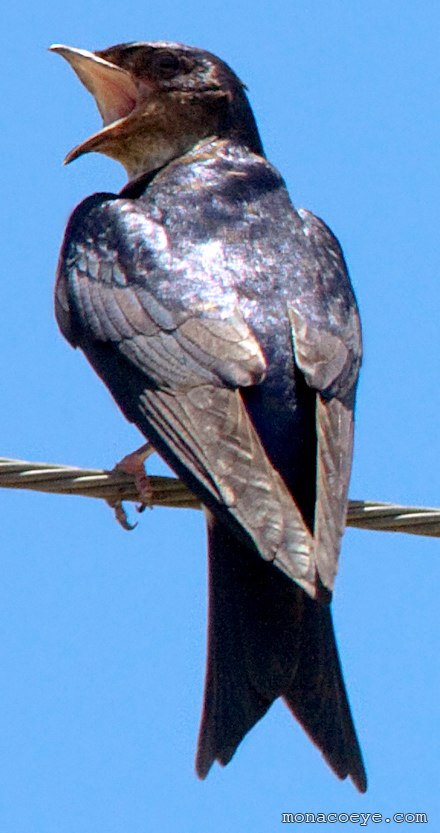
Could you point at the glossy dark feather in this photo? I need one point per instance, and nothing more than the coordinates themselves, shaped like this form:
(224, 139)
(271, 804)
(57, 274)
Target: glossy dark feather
(224, 324)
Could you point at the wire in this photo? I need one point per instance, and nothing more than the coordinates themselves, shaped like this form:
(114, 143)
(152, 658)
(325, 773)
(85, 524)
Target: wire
(115, 486)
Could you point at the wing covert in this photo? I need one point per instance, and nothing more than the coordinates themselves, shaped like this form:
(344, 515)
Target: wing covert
(118, 282)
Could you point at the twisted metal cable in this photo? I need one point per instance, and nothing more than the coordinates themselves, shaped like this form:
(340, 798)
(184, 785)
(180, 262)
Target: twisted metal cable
(115, 486)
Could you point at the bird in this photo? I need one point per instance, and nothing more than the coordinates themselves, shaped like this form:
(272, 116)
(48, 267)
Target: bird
(224, 324)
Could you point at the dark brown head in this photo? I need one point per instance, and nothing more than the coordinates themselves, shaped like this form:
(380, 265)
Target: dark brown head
(158, 100)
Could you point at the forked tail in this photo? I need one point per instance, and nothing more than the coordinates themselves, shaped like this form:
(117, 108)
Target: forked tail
(268, 639)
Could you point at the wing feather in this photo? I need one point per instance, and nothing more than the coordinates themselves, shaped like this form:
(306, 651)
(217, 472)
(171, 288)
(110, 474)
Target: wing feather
(327, 345)
(194, 358)
(225, 454)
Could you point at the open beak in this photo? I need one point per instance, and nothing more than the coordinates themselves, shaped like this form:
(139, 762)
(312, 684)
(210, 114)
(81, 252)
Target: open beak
(112, 87)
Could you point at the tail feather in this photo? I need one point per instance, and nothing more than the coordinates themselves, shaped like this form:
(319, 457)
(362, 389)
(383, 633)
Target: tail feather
(267, 639)
(318, 698)
(243, 671)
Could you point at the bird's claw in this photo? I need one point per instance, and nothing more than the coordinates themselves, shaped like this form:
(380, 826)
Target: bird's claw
(134, 464)
(121, 515)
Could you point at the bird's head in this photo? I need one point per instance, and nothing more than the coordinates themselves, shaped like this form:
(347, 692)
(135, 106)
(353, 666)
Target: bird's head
(158, 100)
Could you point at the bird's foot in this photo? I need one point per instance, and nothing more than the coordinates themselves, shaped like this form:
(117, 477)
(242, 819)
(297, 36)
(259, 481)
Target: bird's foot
(121, 514)
(134, 464)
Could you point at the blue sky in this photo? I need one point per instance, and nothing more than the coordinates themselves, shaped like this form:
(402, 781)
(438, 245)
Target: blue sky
(102, 633)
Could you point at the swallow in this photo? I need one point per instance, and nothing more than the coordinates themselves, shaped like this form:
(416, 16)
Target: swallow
(223, 322)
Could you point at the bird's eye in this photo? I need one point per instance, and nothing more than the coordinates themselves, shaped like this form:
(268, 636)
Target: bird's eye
(166, 64)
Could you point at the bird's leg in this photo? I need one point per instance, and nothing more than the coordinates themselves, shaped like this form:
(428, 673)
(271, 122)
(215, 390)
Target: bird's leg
(134, 464)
